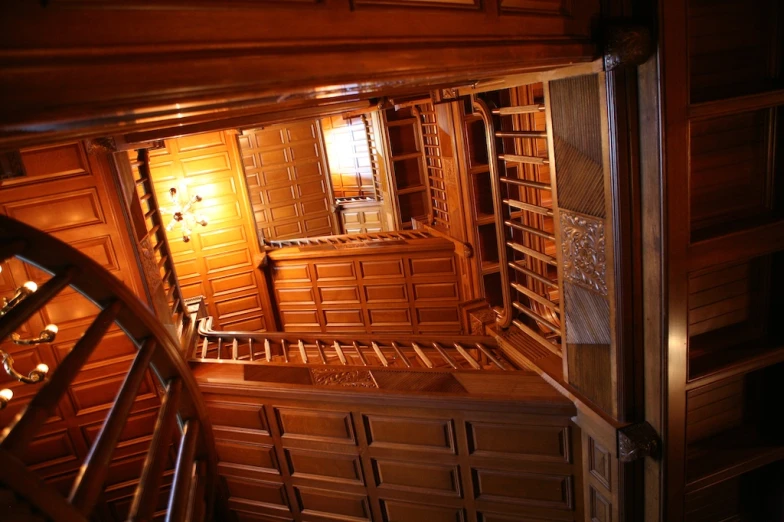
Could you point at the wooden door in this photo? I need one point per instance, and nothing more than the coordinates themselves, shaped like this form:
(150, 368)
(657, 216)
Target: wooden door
(219, 262)
(286, 172)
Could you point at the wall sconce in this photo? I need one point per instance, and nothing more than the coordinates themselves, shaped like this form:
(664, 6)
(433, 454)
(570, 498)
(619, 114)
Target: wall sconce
(5, 397)
(37, 374)
(184, 215)
(21, 292)
(47, 335)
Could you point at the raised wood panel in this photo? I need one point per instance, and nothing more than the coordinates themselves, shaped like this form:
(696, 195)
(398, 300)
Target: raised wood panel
(332, 467)
(411, 434)
(713, 409)
(397, 511)
(423, 478)
(63, 160)
(350, 165)
(553, 491)
(286, 174)
(327, 426)
(61, 212)
(243, 454)
(731, 176)
(514, 441)
(732, 48)
(332, 504)
(218, 262)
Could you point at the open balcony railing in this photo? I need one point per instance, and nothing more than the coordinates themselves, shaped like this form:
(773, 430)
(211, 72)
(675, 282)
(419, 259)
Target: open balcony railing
(426, 351)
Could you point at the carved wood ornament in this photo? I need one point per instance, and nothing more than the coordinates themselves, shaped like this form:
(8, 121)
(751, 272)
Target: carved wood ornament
(338, 377)
(583, 248)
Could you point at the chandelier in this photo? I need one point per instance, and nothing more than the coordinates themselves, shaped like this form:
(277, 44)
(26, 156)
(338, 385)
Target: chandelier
(47, 335)
(183, 213)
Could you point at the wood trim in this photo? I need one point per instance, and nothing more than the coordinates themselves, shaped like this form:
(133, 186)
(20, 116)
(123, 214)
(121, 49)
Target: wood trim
(735, 105)
(752, 242)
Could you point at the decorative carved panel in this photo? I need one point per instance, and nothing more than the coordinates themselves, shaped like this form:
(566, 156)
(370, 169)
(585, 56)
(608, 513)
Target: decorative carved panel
(347, 378)
(583, 250)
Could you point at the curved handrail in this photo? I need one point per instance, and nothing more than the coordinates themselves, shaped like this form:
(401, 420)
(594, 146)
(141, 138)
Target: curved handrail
(505, 317)
(132, 316)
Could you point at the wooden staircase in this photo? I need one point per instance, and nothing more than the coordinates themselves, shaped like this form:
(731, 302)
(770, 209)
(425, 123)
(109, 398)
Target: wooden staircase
(182, 409)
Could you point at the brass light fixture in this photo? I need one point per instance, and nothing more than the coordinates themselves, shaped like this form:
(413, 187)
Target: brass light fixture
(47, 335)
(184, 215)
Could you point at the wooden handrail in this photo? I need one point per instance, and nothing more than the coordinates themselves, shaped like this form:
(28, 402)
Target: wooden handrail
(349, 349)
(505, 317)
(159, 351)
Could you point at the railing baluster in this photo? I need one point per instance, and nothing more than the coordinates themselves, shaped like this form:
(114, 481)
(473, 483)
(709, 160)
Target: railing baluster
(18, 435)
(321, 352)
(400, 354)
(204, 345)
(379, 353)
(490, 356)
(425, 359)
(302, 352)
(234, 349)
(267, 350)
(445, 356)
(536, 317)
(339, 351)
(470, 360)
(250, 348)
(183, 473)
(360, 354)
(285, 350)
(220, 348)
(144, 500)
(88, 484)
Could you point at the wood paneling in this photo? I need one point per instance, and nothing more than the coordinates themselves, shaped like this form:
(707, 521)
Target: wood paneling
(732, 49)
(402, 286)
(219, 260)
(71, 195)
(361, 217)
(731, 181)
(286, 172)
(353, 456)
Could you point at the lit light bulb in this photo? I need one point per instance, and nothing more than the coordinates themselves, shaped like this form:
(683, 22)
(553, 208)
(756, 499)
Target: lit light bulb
(30, 286)
(6, 394)
(43, 368)
(52, 329)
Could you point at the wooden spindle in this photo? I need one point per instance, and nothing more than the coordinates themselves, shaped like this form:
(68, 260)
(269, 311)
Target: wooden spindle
(321, 352)
(220, 348)
(379, 353)
(339, 351)
(89, 483)
(18, 435)
(360, 354)
(400, 354)
(470, 360)
(183, 473)
(445, 356)
(489, 355)
(144, 500)
(425, 359)
(285, 350)
(302, 352)
(235, 349)
(267, 350)
(204, 345)
(250, 348)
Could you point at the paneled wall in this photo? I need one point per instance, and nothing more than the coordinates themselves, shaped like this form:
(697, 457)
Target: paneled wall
(403, 286)
(724, 253)
(69, 193)
(359, 457)
(288, 180)
(220, 260)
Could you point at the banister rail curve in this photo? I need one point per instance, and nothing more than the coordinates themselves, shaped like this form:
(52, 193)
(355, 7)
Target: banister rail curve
(182, 405)
(506, 315)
